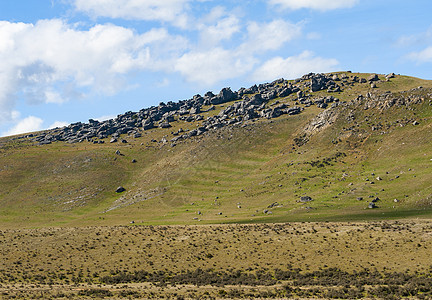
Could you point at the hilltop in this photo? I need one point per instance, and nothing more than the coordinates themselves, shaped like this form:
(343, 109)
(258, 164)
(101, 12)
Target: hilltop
(340, 146)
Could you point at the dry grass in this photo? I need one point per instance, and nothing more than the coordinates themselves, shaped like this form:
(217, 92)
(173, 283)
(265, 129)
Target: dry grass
(70, 260)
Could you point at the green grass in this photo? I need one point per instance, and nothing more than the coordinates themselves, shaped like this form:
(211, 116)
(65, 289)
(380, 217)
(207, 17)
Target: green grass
(252, 167)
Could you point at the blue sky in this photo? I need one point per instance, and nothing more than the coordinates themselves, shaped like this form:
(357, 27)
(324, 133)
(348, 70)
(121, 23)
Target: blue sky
(63, 61)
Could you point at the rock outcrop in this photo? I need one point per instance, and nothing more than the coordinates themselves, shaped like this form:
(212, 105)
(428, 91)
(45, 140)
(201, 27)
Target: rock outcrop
(249, 103)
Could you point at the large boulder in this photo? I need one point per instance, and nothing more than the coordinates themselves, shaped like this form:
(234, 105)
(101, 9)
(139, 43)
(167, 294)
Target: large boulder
(373, 77)
(256, 99)
(305, 199)
(147, 124)
(120, 189)
(226, 95)
(164, 124)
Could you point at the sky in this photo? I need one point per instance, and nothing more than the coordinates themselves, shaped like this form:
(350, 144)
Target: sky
(66, 61)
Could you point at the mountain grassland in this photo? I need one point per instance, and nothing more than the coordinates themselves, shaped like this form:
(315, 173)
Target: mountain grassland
(349, 260)
(222, 210)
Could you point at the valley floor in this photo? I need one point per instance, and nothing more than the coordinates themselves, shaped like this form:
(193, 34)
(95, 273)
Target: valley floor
(386, 259)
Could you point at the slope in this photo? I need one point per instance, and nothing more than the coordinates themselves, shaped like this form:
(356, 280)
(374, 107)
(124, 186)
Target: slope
(364, 141)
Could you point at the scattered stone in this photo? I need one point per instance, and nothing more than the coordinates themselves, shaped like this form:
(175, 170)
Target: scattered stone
(305, 199)
(373, 77)
(274, 204)
(120, 189)
(372, 205)
(391, 75)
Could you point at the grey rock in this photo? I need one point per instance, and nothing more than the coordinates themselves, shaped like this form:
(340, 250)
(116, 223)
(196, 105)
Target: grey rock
(120, 189)
(372, 205)
(373, 77)
(164, 124)
(305, 199)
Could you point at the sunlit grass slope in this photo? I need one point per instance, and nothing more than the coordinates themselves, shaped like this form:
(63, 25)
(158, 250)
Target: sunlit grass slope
(252, 173)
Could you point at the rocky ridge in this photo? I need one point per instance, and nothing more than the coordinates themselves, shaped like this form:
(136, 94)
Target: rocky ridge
(251, 103)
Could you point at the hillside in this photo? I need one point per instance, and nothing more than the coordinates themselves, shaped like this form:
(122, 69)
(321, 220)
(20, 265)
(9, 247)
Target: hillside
(341, 146)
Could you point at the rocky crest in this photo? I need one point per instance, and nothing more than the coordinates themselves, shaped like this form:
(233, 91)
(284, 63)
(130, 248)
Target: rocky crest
(251, 103)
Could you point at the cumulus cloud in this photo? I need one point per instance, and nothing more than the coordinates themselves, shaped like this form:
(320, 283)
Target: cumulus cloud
(172, 11)
(28, 124)
(294, 66)
(223, 29)
(269, 36)
(424, 56)
(321, 5)
(209, 67)
(51, 61)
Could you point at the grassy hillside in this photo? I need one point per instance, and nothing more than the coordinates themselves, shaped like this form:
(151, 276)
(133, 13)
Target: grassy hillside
(367, 148)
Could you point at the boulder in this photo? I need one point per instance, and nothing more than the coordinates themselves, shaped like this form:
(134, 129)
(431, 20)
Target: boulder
(256, 100)
(120, 189)
(372, 205)
(164, 124)
(147, 124)
(195, 110)
(293, 110)
(391, 75)
(226, 95)
(305, 199)
(284, 92)
(373, 77)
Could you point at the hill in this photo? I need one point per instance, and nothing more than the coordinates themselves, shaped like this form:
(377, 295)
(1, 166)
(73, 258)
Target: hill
(324, 147)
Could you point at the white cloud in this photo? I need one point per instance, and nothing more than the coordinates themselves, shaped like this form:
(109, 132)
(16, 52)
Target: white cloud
(58, 124)
(294, 66)
(321, 5)
(172, 11)
(209, 67)
(28, 124)
(270, 36)
(424, 56)
(415, 39)
(224, 29)
(163, 83)
(51, 61)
